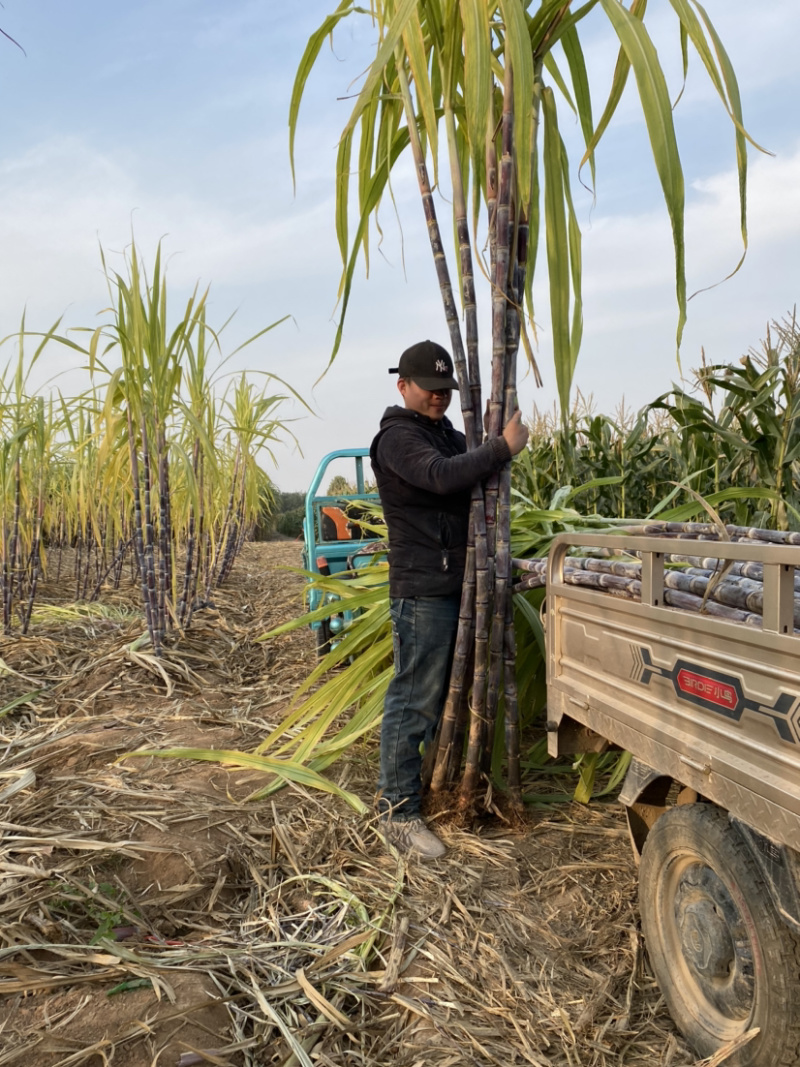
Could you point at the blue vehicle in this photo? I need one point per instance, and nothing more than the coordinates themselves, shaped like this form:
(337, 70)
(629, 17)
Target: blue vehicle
(334, 541)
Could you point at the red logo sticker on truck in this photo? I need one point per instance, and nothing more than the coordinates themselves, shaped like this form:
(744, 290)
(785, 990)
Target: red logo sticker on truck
(718, 692)
(709, 690)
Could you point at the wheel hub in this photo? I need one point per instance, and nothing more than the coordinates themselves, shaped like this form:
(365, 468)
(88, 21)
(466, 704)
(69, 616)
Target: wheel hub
(705, 938)
(714, 942)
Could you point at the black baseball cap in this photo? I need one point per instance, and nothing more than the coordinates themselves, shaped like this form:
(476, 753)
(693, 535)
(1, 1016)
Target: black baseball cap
(428, 365)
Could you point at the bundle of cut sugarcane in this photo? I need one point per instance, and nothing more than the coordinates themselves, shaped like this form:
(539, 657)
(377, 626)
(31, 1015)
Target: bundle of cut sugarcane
(484, 659)
(691, 583)
(702, 531)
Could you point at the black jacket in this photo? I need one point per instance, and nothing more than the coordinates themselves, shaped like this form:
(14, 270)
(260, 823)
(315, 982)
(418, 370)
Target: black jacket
(424, 476)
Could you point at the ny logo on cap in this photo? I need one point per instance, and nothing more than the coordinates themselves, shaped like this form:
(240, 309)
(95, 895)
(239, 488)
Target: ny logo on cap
(441, 366)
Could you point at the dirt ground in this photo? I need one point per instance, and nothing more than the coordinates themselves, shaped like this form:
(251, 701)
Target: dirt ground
(152, 915)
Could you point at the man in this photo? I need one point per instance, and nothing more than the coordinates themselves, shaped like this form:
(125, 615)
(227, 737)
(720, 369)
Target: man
(424, 475)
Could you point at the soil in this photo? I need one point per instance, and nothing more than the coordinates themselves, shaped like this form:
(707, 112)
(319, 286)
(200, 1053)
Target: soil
(152, 914)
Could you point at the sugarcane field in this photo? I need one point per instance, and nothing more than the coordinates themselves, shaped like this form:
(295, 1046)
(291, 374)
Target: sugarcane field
(445, 716)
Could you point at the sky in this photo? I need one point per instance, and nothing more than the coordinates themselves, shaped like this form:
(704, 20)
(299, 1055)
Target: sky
(168, 119)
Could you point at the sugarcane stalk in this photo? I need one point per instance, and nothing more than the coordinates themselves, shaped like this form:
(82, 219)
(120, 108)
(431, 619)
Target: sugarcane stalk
(83, 577)
(708, 531)
(115, 565)
(212, 579)
(478, 705)
(471, 412)
(189, 564)
(202, 539)
(458, 673)
(12, 575)
(492, 586)
(164, 525)
(61, 538)
(238, 525)
(138, 518)
(471, 398)
(149, 543)
(500, 278)
(440, 260)
(513, 778)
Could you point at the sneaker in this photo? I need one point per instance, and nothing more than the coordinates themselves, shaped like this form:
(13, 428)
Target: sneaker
(412, 835)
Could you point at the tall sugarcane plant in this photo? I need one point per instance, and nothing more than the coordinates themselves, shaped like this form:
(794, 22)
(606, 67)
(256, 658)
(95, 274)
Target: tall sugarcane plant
(491, 73)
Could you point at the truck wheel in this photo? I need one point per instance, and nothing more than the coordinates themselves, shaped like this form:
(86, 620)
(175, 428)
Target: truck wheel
(723, 958)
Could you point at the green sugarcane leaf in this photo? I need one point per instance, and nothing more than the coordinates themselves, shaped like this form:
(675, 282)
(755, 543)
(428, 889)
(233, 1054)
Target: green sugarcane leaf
(418, 62)
(557, 245)
(392, 35)
(575, 264)
(518, 53)
(657, 112)
(595, 483)
(580, 84)
(477, 77)
(587, 769)
(545, 24)
(685, 62)
(343, 189)
(312, 50)
(17, 702)
(289, 771)
(128, 985)
(551, 67)
(734, 107)
(618, 83)
(621, 764)
(375, 190)
(372, 115)
(531, 617)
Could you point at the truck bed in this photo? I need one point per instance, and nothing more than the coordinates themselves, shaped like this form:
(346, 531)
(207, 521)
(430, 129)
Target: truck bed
(711, 703)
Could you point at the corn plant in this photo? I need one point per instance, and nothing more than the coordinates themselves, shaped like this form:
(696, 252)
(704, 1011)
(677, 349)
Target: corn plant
(746, 423)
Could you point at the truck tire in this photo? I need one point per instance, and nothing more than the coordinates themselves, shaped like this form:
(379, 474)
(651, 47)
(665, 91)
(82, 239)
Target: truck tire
(724, 960)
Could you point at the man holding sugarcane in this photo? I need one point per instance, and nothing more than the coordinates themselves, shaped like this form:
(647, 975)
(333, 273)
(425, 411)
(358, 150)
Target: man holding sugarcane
(424, 475)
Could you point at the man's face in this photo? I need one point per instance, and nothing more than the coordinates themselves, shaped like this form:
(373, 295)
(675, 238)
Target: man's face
(423, 401)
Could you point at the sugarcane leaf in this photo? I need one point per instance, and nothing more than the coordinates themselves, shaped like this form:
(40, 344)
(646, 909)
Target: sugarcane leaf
(518, 53)
(374, 192)
(580, 84)
(531, 617)
(558, 265)
(17, 702)
(618, 82)
(287, 770)
(622, 762)
(729, 94)
(575, 264)
(551, 67)
(392, 34)
(418, 62)
(309, 57)
(586, 765)
(657, 112)
(477, 79)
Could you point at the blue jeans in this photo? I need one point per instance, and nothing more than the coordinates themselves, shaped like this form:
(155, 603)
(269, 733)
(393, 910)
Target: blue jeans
(423, 634)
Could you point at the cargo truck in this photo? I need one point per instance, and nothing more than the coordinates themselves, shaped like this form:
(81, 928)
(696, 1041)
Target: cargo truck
(710, 710)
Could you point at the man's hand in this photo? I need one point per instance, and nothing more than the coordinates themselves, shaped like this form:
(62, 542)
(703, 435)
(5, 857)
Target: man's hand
(515, 434)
